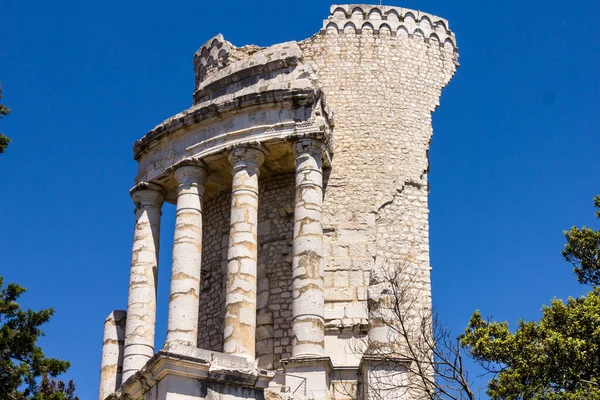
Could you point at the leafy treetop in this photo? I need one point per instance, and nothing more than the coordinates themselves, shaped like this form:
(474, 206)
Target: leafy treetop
(4, 141)
(557, 357)
(583, 251)
(22, 361)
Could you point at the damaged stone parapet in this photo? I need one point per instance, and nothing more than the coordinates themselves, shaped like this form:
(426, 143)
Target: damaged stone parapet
(141, 304)
(182, 325)
(111, 368)
(397, 21)
(266, 63)
(240, 303)
(267, 95)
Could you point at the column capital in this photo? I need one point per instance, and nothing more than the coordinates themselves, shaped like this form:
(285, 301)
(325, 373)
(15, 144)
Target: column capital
(147, 194)
(251, 156)
(310, 145)
(190, 173)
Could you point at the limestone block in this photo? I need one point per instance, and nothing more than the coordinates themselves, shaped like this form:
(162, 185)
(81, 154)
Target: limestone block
(340, 294)
(334, 311)
(356, 310)
(309, 376)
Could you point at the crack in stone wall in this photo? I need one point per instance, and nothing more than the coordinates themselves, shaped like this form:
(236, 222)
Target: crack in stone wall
(383, 89)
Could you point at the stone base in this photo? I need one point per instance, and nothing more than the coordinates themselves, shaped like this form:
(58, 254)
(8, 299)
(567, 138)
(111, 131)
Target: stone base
(308, 377)
(185, 372)
(388, 378)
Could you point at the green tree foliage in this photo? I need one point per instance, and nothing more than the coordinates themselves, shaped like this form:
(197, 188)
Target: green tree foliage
(4, 141)
(52, 389)
(557, 357)
(583, 251)
(22, 362)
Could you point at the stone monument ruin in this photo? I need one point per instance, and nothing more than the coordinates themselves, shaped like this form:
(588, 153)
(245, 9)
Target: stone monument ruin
(298, 172)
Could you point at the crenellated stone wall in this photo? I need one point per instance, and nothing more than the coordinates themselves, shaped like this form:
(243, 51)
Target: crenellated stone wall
(383, 85)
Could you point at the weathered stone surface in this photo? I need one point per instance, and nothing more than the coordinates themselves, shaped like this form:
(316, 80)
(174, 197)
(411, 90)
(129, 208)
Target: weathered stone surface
(182, 324)
(185, 372)
(111, 368)
(141, 302)
(269, 96)
(240, 303)
(296, 273)
(308, 309)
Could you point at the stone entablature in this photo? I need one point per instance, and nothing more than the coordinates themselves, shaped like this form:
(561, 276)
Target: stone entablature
(269, 97)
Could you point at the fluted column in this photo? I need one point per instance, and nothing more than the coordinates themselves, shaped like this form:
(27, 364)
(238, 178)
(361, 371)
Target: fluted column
(182, 324)
(307, 258)
(112, 353)
(240, 305)
(141, 303)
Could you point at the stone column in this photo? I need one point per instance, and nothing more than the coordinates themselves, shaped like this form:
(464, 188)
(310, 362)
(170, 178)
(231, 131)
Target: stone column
(141, 303)
(382, 339)
(112, 353)
(307, 261)
(240, 305)
(182, 324)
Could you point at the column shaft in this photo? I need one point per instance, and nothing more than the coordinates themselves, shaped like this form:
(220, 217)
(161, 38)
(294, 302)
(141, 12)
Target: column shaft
(383, 339)
(141, 303)
(182, 324)
(307, 262)
(240, 306)
(112, 353)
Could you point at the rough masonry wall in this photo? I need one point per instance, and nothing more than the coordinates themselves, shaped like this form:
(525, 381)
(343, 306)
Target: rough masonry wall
(382, 88)
(215, 242)
(274, 299)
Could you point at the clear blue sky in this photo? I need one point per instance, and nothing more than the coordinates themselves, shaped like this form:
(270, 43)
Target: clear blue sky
(514, 157)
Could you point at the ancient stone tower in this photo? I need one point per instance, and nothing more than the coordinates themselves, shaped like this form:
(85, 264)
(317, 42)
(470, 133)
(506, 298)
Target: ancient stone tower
(298, 174)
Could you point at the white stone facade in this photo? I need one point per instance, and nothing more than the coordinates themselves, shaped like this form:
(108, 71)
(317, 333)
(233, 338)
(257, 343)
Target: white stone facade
(286, 215)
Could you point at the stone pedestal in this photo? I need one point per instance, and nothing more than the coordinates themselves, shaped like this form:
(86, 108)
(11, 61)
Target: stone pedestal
(308, 377)
(141, 303)
(384, 378)
(240, 304)
(182, 324)
(184, 372)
